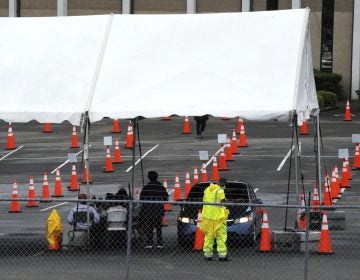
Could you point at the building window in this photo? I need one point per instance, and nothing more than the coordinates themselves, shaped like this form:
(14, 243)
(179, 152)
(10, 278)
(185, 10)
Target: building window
(327, 35)
(272, 5)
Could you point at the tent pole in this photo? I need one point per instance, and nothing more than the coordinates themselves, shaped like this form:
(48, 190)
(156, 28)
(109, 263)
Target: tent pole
(296, 157)
(85, 125)
(99, 62)
(318, 156)
(133, 159)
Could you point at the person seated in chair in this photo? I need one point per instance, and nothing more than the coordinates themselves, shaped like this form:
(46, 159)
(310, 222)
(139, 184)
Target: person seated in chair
(78, 215)
(122, 195)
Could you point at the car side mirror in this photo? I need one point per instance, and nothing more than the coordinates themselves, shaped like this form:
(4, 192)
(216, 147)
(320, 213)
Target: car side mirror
(258, 201)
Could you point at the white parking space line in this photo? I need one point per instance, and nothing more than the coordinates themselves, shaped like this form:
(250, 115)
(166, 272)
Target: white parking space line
(54, 206)
(143, 156)
(67, 161)
(211, 159)
(285, 159)
(11, 153)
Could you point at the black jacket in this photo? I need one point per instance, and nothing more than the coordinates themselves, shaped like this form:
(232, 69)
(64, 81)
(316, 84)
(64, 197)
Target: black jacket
(153, 191)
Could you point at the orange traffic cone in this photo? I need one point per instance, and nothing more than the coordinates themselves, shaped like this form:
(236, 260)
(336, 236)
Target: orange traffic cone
(199, 235)
(316, 200)
(301, 217)
(45, 195)
(215, 171)
(347, 116)
(304, 128)
(325, 242)
(129, 137)
(222, 166)
(86, 175)
(338, 181)
(177, 192)
(47, 128)
(335, 185)
(239, 124)
(31, 202)
(15, 204)
(74, 185)
(186, 127)
(345, 177)
(234, 147)
(204, 176)
(327, 201)
(167, 206)
(74, 139)
(166, 118)
(117, 153)
(265, 241)
(228, 153)
(348, 169)
(10, 139)
(108, 163)
(242, 138)
(58, 187)
(116, 126)
(187, 187)
(196, 176)
(356, 164)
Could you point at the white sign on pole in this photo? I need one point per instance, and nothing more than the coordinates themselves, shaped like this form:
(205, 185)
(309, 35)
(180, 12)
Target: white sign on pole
(204, 155)
(72, 158)
(107, 140)
(343, 153)
(222, 138)
(355, 138)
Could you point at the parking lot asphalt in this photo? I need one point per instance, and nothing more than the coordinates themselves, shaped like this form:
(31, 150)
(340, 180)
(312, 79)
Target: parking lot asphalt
(172, 152)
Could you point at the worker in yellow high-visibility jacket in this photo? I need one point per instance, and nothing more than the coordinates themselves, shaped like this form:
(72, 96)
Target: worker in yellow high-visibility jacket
(213, 222)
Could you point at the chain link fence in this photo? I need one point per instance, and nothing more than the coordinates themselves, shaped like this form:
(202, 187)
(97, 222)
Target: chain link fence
(130, 244)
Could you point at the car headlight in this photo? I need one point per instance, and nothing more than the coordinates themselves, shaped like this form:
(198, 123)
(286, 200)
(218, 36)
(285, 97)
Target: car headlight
(186, 220)
(245, 219)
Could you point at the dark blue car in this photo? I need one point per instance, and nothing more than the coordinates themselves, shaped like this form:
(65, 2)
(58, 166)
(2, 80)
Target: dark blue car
(244, 221)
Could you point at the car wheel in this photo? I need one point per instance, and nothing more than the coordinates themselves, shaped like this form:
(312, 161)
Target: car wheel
(253, 237)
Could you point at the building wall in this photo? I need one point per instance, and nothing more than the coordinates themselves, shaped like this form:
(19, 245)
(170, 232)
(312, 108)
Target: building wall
(315, 7)
(38, 8)
(159, 6)
(343, 42)
(218, 6)
(284, 4)
(258, 5)
(4, 8)
(94, 7)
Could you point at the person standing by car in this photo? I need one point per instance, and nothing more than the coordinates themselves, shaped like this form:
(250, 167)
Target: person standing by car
(213, 222)
(151, 213)
(200, 124)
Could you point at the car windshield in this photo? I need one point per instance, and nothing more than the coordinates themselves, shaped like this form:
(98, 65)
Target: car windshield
(233, 191)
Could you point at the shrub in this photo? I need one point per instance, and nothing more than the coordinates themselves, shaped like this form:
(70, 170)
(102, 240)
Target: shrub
(330, 98)
(329, 82)
(321, 100)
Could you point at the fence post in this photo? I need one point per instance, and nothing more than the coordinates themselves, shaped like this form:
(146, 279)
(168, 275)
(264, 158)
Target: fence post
(128, 244)
(306, 254)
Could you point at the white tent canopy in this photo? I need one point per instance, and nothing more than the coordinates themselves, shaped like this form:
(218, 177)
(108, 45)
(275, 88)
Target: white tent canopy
(257, 65)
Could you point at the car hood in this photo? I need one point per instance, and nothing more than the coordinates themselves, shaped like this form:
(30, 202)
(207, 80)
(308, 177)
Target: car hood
(191, 211)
